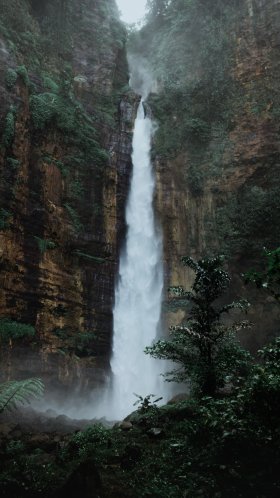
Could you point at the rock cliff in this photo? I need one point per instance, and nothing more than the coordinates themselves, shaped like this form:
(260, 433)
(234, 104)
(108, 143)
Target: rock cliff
(216, 151)
(66, 117)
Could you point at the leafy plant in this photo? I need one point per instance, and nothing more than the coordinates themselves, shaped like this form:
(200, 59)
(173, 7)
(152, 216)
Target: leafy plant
(74, 217)
(44, 244)
(146, 404)
(13, 163)
(96, 259)
(204, 347)
(80, 343)
(270, 278)
(9, 130)
(4, 219)
(13, 393)
(10, 78)
(12, 330)
(23, 73)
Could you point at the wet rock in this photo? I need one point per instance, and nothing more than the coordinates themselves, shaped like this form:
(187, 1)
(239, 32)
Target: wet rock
(6, 428)
(155, 432)
(125, 426)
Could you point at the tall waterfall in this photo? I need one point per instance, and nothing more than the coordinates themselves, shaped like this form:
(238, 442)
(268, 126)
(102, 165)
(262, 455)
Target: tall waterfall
(138, 292)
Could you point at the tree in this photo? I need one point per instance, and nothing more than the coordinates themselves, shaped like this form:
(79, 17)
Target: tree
(204, 348)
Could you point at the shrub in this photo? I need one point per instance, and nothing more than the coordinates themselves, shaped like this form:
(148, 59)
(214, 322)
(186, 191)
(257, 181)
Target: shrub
(45, 244)
(74, 217)
(9, 130)
(10, 78)
(4, 219)
(12, 330)
(22, 72)
(13, 163)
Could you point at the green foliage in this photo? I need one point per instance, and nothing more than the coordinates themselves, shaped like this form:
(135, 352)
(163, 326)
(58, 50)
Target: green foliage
(212, 447)
(64, 112)
(86, 442)
(44, 108)
(10, 78)
(9, 130)
(204, 348)
(74, 217)
(82, 344)
(12, 330)
(48, 159)
(50, 84)
(13, 163)
(270, 278)
(4, 219)
(23, 73)
(195, 180)
(246, 223)
(261, 393)
(189, 52)
(45, 244)
(14, 447)
(146, 404)
(13, 393)
(90, 257)
(76, 189)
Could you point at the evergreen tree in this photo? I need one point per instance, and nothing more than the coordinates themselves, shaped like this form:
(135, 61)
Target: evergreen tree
(204, 348)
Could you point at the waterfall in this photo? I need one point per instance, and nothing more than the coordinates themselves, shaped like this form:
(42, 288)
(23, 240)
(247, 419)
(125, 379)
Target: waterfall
(138, 291)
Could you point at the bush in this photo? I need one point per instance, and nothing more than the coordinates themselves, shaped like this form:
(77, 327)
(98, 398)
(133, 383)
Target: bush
(9, 130)
(22, 72)
(10, 78)
(4, 219)
(12, 330)
(74, 217)
(45, 244)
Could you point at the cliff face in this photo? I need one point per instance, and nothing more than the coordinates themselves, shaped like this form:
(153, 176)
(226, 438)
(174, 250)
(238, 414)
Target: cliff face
(216, 150)
(66, 116)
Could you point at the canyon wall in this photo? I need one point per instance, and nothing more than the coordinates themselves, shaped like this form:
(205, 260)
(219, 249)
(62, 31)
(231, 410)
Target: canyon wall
(216, 151)
(66, 119)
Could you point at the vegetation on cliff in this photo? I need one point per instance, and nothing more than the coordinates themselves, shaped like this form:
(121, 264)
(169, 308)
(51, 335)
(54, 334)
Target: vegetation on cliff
(63, 74)
(54, 29)
(216, 97)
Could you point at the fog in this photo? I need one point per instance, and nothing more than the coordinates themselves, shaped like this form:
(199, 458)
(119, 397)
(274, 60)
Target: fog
(132, 11)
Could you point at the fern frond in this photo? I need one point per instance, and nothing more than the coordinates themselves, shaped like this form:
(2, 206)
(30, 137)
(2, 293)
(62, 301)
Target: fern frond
(13, 393)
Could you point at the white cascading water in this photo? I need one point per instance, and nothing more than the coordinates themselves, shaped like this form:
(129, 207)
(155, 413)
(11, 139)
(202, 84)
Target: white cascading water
(138, 294)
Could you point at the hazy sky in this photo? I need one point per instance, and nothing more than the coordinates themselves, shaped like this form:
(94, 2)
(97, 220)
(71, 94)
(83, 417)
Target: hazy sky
(131, 10)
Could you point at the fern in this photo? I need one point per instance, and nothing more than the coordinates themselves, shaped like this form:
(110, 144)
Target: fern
(13, 393)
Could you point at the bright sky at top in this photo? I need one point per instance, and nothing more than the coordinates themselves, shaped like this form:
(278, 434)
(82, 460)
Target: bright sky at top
(131, 10)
